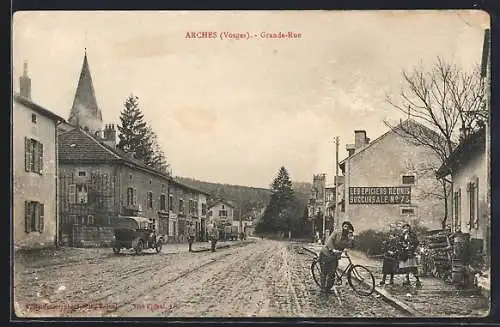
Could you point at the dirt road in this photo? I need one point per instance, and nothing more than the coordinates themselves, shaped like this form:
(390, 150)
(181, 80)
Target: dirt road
(260, 279)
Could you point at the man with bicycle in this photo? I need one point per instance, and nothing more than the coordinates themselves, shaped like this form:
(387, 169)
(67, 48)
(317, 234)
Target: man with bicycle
(331, 252)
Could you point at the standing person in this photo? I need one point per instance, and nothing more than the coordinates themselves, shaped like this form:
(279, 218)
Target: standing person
(390, 263)
(213, 236)
(409, 243)
(190, 237)
(330, 253)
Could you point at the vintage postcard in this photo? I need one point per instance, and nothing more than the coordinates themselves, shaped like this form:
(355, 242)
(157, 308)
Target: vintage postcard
(251, 164)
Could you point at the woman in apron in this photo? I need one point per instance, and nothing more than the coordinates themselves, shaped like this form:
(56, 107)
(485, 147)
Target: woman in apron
(408, 259)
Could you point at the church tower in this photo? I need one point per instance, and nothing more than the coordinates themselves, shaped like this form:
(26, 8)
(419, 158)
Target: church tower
(85, 112)
(25, 83)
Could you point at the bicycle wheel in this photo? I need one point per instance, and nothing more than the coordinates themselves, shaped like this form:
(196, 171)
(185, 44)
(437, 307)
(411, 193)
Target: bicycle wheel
(361, 280)
(316, 272)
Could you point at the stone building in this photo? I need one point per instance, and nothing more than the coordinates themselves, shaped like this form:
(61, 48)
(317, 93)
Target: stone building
(99, 182)
(468, 168)
(222, 211)
(187, 209)
(321, 203)
(389, 180)
(34, 170)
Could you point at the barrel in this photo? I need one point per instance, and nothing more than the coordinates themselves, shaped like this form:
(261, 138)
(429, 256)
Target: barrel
(458, 272)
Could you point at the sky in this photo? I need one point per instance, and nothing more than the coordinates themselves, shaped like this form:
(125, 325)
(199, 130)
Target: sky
(235, 111)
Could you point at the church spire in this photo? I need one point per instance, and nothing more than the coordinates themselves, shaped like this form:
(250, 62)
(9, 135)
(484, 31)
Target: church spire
(85, 112)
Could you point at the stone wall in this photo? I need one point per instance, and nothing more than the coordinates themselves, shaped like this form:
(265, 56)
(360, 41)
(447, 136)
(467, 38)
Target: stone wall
(92, 236)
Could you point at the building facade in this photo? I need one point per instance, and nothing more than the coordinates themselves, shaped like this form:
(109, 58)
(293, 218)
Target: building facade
(99, 183)
(221, 211)
(390, 180)
(34, 171)
(321, 203)
(468, 168)
(188, 210)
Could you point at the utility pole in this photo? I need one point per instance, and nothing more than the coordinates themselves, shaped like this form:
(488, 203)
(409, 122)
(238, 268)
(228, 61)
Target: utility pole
(324, 206)
(241, 219)
(335, 218)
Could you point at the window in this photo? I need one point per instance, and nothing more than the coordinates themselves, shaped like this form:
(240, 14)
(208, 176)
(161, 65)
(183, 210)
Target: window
(131, 196)
(408, 179)
(163, 202)
(150, 200)
(472, 199)
(407, 211)
(90, 220)
(33, 118)
(130, 176)
(222, 213)
(181, 206)
(196, 208)
(78, 193)
(203, 209)
(223, 207)
(171, 202)
(33, 155)
(33, 216)
(82, 173)
(81, 193)
(456, 210)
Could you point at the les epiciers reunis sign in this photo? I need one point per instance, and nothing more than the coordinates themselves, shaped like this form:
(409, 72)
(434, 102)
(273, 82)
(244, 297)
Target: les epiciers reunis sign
(380, 195)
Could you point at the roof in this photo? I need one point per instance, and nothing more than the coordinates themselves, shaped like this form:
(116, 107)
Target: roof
(463, 152)
(229, 203)
(79, 147)
(176, 182)
(35, 107)
(413, 123)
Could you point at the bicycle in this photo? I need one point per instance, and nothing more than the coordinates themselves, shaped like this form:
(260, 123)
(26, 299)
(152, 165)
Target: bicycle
(359, 277)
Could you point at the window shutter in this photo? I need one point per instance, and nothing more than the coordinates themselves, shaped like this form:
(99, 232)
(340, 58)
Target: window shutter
(40, 158)
(27, 154)
(27, 216)
(72, 193)
(134, 197)
(36, 158)
(40, 220)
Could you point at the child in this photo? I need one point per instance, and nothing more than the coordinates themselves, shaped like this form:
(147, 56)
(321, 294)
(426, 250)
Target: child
(390, 263)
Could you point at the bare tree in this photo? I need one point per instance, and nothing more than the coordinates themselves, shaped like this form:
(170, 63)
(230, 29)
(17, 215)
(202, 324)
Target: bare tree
(448, 105)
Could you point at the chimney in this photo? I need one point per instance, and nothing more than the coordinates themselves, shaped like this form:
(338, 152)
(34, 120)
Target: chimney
(110, 135)
(360, 139)
(25, 83)
(350, 149)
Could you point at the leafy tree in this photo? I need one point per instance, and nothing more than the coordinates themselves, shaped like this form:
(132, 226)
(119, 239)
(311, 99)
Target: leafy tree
(135, 136)
(280, 210)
